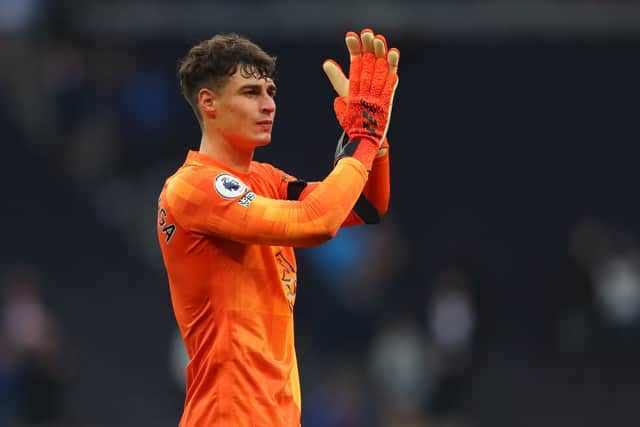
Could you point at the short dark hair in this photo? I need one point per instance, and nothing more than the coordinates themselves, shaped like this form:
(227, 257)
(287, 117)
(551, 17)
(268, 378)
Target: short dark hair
(212, 62)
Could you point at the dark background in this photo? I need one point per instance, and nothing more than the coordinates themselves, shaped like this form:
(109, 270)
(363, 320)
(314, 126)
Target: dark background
(502, 289)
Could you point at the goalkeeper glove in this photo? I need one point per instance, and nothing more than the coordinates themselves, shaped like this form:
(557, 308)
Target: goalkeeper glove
(373, 74)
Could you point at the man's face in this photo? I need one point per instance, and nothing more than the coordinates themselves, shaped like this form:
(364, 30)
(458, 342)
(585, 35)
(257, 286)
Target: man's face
(245, 110)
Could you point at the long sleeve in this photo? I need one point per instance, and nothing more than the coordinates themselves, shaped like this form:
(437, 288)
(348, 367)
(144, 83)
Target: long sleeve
(378, 188)
(375, 195)
(196, 204)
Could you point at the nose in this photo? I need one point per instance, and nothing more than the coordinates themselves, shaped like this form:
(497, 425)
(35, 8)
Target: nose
(268, 105)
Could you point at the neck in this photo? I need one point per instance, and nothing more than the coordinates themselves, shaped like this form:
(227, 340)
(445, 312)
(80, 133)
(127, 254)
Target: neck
(225, 152)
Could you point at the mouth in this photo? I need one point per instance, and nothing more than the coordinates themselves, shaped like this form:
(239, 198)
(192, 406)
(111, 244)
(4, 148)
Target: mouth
(265, 125)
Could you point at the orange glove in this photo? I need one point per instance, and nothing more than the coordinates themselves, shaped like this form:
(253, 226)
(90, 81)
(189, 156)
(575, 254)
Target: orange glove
(369, 61)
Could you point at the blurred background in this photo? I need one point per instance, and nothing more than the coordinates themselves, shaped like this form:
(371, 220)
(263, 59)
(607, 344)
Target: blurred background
(502, 289)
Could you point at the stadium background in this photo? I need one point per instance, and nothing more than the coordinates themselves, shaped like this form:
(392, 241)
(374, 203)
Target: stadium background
(503, 288)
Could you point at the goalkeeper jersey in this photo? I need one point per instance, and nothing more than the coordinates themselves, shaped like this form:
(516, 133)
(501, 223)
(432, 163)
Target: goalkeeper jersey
(227, 243)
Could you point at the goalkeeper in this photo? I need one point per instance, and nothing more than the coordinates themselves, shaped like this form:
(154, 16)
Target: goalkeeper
(227, 225)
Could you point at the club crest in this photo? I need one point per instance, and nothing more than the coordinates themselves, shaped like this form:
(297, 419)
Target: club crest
(228, 186)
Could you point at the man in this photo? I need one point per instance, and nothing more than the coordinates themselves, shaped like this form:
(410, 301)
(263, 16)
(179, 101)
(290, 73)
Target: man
(227, 225)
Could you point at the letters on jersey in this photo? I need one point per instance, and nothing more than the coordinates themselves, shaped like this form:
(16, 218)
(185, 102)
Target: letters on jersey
(167, 229)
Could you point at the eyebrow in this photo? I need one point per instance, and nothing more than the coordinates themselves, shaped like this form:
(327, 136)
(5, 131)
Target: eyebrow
(270, 86)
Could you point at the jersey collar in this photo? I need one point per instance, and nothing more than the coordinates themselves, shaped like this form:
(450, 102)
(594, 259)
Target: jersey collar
(197, 158)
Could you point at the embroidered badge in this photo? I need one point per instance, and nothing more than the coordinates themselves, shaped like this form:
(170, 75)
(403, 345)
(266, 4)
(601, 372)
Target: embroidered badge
(228, 186)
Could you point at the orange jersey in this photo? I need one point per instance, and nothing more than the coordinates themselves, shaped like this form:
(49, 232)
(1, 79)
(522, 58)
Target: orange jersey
(227, 243)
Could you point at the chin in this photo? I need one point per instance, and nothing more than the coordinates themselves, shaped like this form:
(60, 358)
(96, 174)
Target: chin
(261, 142)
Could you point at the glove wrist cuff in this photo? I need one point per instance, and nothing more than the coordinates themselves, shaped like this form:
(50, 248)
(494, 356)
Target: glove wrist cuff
(362, 149)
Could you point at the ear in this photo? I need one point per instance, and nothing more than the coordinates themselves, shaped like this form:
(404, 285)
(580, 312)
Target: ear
(207, 102)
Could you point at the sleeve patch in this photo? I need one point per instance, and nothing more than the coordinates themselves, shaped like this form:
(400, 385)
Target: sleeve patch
(247, 199)
(228, 186)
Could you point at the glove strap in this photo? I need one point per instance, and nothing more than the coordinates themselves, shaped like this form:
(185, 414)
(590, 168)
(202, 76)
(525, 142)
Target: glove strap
(342, 141)
(360, 149)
